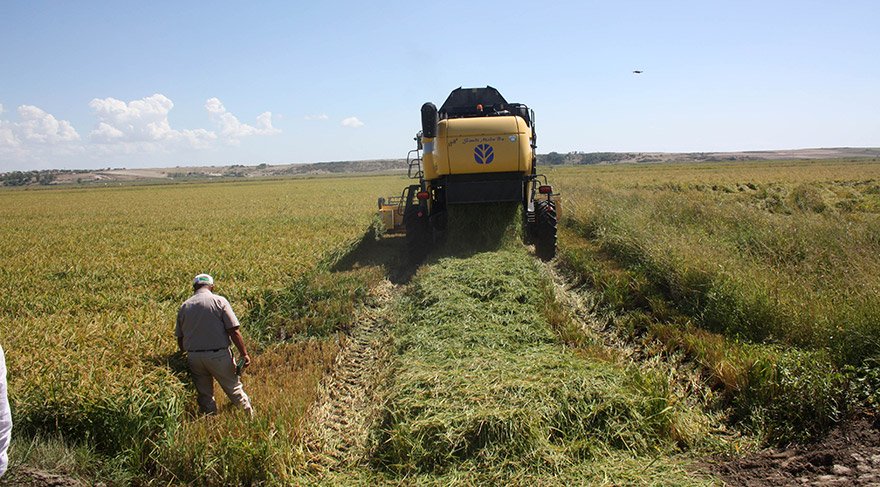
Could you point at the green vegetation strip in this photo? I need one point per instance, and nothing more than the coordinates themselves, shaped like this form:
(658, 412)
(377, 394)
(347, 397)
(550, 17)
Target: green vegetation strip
(482, 389)
(778, 393)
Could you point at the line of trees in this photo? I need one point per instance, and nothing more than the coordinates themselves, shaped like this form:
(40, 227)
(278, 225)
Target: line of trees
(24, 178)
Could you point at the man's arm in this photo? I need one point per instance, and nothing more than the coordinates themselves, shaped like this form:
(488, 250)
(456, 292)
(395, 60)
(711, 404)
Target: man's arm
(235, 336)
(179, 344)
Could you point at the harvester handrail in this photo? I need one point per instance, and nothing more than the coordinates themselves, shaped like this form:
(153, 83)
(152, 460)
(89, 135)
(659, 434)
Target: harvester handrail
(414, 162)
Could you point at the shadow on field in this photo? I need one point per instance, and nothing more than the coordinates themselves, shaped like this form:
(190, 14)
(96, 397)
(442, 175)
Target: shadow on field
(385, 251)
(476, 228)
(471, 229)
(175, 362)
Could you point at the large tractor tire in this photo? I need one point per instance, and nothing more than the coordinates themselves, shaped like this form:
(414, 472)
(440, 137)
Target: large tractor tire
(418, 234)
(545, 229)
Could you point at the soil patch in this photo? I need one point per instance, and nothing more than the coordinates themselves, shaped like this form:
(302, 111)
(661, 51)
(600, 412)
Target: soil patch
(31, 477)
(849, 455)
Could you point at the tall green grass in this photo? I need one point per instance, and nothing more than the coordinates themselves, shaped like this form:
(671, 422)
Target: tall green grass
(764, 276)
(762, 264)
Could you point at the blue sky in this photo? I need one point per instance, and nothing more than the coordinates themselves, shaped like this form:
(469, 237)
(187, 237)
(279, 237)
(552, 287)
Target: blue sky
(147, 84)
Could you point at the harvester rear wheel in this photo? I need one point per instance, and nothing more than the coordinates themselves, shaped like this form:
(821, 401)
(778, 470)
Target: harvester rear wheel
(545, 229)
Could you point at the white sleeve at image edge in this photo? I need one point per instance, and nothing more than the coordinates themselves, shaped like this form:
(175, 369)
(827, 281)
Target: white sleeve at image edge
(5, 417)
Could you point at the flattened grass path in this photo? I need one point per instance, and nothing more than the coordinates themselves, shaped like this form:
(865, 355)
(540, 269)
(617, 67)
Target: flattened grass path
(482, 391)
(341, 417)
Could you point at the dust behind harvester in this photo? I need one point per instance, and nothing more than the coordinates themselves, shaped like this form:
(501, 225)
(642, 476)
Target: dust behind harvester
(477, 148)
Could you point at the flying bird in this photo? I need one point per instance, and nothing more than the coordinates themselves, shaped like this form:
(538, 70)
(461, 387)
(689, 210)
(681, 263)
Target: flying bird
(637, 72)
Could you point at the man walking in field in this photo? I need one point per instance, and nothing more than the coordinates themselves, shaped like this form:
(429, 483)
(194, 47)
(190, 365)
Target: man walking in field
(205, 327)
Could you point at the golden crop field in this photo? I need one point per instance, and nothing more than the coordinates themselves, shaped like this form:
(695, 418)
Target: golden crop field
(91, 279)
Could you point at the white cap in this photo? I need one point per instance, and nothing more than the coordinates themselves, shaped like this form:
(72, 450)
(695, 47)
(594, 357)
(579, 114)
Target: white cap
(203, 279)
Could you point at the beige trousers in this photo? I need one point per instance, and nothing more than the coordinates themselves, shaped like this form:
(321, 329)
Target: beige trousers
(207, 366)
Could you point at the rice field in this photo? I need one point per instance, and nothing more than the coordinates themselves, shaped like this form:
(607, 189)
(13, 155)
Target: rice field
(90, 281)
(732, 305)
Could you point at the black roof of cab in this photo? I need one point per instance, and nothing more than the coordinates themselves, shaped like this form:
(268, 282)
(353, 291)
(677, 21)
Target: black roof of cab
(462, 102)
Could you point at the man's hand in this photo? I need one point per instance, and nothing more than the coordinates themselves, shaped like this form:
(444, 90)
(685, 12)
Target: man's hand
(235, 336)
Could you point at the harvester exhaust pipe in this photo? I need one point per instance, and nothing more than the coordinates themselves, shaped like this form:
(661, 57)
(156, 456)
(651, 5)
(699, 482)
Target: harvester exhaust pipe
(429, 120)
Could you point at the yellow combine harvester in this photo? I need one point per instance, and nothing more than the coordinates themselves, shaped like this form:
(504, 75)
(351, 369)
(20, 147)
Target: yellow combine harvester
(477, 148)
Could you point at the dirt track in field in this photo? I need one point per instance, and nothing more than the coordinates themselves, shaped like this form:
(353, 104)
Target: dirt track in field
(340, 419)
(32, 477)
(849, 455)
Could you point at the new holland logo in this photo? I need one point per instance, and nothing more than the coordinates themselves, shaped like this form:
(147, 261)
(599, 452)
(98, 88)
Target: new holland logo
(484, 154)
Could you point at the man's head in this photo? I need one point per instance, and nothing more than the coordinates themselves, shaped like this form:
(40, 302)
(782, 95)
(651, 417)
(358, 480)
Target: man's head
(203, 280)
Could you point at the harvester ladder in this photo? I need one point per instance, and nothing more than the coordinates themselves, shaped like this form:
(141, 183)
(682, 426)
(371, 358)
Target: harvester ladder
(414, 162)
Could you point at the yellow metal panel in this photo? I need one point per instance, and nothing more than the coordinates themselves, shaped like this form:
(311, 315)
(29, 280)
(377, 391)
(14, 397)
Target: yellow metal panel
(525, 146)
(479, 126)
(441, 155)
(485, 145)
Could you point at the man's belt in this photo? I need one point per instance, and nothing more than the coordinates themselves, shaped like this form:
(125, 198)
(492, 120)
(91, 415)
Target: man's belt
(214, 350)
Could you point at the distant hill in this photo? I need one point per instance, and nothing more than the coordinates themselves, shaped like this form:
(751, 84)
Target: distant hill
(397, 166)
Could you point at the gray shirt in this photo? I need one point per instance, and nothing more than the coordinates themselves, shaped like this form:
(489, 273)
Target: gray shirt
(203, 321)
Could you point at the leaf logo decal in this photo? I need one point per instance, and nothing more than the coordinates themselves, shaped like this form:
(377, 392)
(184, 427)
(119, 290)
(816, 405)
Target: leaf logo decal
(484, 154)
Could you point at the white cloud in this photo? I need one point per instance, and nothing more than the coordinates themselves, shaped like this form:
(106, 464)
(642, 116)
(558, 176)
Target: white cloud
(232, 128)
(322, 116)
(352, 122)
(41, 127)
(138, 129)
(35, 138)
(142, 124)
(7, 135)
(36, 128)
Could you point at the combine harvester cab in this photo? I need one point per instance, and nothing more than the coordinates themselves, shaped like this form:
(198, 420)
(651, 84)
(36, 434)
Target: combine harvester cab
(476, 149)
